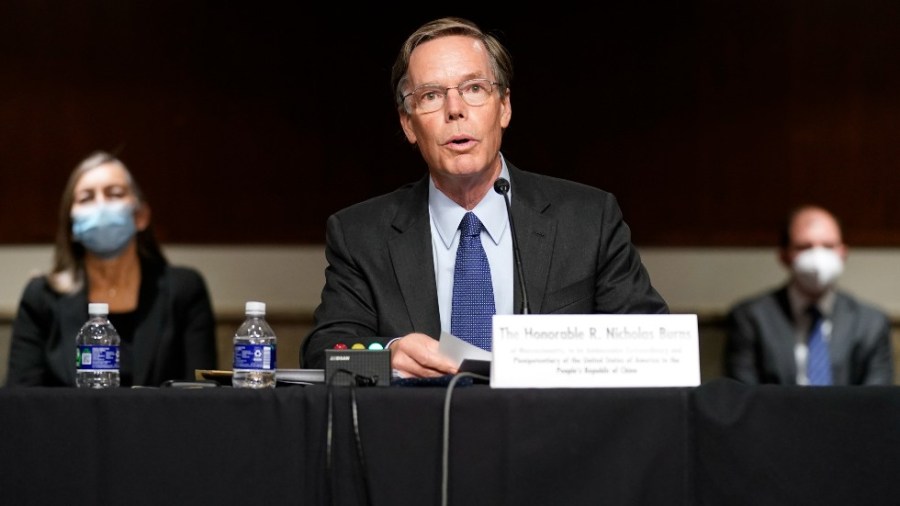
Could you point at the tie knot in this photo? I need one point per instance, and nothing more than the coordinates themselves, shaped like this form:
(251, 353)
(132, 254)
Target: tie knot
(470, 224)
(814, 313)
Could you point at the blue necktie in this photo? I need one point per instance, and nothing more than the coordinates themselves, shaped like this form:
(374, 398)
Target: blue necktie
(818, 362)
(473, 293)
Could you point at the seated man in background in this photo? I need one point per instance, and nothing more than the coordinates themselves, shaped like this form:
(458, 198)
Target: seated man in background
(808, 332)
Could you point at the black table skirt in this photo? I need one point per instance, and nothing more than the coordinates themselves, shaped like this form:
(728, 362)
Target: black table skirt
(718, 444)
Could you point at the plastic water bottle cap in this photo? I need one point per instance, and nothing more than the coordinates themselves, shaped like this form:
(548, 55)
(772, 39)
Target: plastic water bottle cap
(254, 307)
(98, 308)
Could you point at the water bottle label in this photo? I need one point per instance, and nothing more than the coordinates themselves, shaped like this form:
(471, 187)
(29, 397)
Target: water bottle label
(254, 356)
(97, 358)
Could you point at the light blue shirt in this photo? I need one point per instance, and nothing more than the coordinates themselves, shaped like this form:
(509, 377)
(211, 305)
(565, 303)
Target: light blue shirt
(497, 241)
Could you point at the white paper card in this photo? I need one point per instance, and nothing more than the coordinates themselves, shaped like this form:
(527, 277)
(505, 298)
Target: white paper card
(554, 351)
(459, 350)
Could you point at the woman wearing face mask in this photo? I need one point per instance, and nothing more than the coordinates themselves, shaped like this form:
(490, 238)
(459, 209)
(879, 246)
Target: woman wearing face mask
(808, 331)
(106, 252)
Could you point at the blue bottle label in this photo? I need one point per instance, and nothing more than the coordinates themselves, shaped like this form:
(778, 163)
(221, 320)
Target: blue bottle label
(97, 358)
(254, 356)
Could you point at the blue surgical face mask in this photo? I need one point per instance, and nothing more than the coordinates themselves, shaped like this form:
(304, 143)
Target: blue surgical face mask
(104, 228)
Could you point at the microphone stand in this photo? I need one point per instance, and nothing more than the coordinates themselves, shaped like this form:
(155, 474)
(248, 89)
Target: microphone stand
(501, 186)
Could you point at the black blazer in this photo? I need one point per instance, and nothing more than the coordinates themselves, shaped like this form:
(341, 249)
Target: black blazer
(379, 284)
(760, 342)
(174, 330)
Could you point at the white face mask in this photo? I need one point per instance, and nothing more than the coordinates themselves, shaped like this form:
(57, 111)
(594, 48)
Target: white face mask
(817, 269)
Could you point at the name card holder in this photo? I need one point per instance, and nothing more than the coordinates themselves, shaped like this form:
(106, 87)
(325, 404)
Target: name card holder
(583, 351)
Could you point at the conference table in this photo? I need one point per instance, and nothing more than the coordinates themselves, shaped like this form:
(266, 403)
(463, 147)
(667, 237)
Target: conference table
(720, 443)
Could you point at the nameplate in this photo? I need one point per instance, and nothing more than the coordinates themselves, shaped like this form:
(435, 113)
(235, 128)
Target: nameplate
(556, 351)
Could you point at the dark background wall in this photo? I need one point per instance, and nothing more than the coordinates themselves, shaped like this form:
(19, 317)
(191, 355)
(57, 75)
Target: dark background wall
(250, 122)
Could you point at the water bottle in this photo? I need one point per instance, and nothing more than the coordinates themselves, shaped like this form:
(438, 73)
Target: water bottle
(254, 350)
(97, 350)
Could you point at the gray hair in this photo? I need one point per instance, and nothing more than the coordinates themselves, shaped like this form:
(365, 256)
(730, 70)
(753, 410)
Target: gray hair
(501, 60)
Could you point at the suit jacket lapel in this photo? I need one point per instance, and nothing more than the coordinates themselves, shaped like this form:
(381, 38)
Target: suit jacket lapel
(535, 233)
(411, 253)
(782, 338)
(842, 319)
(411, 256)
(150, 324)
(72, 315)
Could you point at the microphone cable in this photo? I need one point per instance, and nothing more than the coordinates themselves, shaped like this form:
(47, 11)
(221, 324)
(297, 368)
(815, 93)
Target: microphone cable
(329, 435)
(445, 451)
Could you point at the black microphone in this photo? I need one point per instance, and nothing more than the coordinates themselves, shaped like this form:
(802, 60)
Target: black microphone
(501, 186)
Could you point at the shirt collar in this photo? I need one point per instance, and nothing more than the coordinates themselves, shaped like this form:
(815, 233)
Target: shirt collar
(800, 302)
(491, 211)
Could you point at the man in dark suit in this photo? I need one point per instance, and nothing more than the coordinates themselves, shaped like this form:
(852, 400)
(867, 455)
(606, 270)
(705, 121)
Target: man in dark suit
(391, 259)
(769, 335)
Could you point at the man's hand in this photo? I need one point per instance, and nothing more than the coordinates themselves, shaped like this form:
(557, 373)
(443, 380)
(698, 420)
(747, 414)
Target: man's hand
(417, 355)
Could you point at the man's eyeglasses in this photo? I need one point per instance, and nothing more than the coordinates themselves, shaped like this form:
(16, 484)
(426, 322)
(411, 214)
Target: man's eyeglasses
(429, 98)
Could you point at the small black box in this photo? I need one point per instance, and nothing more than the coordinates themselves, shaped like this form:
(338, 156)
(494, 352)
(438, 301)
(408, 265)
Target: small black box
(368, 367)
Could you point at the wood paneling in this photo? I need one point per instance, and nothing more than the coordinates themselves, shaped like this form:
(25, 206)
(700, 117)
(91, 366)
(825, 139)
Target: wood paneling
(251, 123)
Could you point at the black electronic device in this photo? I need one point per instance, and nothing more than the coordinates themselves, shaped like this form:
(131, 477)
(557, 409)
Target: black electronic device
(358, 367)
